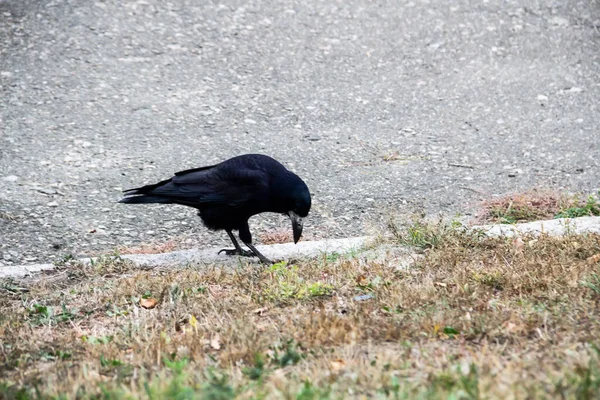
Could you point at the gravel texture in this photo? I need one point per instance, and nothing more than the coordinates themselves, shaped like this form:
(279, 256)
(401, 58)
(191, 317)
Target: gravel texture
(379, 106)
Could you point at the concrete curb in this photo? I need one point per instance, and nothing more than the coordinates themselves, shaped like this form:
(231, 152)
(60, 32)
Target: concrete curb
(553, 227)
(210, 256)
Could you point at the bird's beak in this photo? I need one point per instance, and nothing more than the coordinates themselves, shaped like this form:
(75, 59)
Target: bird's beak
(296, 225)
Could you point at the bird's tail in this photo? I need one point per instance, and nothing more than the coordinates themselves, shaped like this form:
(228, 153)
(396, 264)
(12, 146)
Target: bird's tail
(144, 195)
(145, 200)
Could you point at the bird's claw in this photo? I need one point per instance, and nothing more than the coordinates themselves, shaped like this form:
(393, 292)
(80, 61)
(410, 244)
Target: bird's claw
(245, 253)
(236, 252)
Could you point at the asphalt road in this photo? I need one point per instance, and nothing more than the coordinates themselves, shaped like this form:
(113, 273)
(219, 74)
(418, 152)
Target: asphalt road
(380, 106)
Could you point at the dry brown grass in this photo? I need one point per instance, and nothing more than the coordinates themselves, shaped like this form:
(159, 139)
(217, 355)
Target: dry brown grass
(476, 318)
(525, 206)
(8, 217)
(537, 204)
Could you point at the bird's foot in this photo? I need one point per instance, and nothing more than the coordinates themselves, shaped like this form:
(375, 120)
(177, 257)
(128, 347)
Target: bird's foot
(237, 252)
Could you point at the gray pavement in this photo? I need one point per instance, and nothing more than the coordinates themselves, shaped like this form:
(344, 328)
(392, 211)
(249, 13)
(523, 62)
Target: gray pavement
(379, 106)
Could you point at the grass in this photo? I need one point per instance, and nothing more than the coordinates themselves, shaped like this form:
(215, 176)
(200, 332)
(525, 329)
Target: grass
(473, 318)
(589, 208)
(538, 205)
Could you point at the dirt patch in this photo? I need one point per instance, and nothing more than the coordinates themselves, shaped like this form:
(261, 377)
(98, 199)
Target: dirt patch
(537, 204)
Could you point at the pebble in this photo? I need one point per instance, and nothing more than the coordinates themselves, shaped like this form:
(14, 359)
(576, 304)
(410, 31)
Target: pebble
(10, 178)
(542, 97)
(559, 21)
(311, 138)
(52, 204)
(514, 173)
(363, 297)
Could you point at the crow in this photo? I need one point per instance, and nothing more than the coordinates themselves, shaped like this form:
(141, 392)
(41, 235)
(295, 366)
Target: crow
(227, 194)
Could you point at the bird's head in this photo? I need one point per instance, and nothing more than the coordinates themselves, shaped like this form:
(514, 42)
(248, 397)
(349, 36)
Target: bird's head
(298, 205)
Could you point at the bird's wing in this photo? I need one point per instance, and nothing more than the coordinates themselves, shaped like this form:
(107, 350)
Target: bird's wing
(230, 187)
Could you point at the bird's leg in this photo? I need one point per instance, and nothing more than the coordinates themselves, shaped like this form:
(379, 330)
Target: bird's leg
(246, 237)
(238, 251)
(262, 258)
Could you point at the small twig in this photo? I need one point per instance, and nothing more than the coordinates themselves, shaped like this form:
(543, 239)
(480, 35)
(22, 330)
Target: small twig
(360, 164)
(14, 289)
(461, 165)
(481, 192)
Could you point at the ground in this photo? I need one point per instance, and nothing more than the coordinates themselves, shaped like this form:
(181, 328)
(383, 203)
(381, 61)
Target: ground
(470, 317)
(378, 106)
(383, 108)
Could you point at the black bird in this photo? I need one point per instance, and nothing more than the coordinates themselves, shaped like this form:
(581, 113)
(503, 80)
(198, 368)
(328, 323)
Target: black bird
(227, 194)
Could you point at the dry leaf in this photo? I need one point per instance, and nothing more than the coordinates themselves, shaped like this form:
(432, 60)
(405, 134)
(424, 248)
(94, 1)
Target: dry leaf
(594, 259)
(519, 244)
(441, 284)
(215, 342)
(193, 321)
(511, 327)
(148, 303)
(338, 364)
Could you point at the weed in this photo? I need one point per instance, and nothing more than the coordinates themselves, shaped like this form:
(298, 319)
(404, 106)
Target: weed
(590, 208)
(290, 285)
(64, 260)
(592, 283)
(97, 339)
(493, 279)
(45, 315)
(537, 205)
(286, 354)
(257, 371)
(308, 391)
(56, 355)
(217, 386)
(425, 235)
(115, 311)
